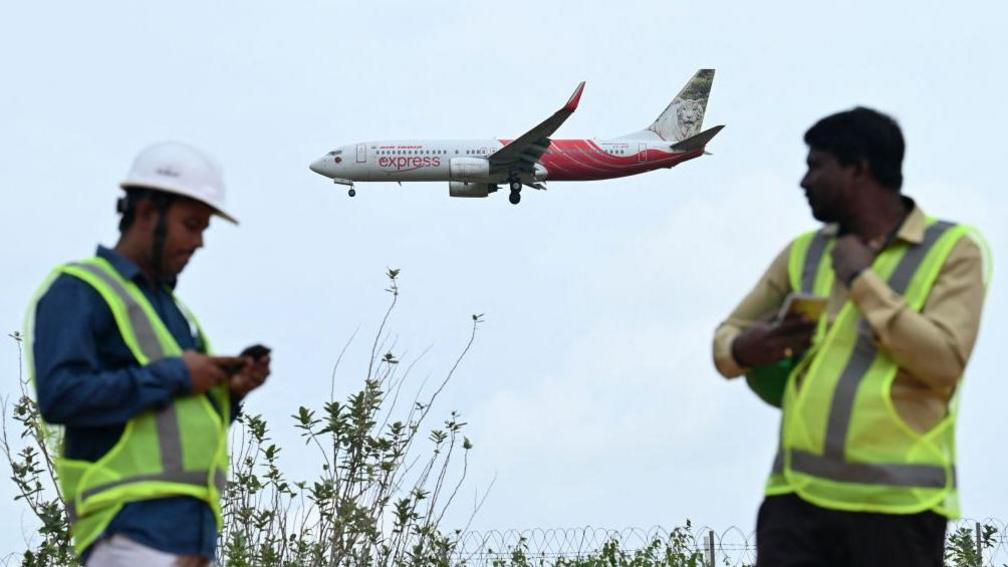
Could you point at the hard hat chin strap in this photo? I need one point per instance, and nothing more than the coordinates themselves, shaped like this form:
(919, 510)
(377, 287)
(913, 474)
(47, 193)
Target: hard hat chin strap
(161, 201)
(158, 243)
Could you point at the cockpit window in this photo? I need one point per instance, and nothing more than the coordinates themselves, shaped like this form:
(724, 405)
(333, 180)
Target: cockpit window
(335, 152)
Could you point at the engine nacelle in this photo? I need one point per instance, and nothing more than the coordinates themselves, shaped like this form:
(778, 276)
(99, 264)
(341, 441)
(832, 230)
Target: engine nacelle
(470, 189)
(469, 169)
(539, 173)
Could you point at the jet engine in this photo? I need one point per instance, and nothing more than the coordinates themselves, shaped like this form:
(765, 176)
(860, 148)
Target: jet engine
(470, 189)
(469, 169)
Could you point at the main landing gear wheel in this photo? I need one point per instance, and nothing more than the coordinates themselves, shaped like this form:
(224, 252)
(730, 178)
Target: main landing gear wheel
(516, 186)
(352, 192)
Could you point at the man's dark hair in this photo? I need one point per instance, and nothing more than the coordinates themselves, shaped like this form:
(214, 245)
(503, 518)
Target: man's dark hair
(862, 133)
(127, 204)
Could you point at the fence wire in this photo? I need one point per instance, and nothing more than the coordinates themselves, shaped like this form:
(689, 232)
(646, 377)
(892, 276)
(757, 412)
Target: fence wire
(733, 547)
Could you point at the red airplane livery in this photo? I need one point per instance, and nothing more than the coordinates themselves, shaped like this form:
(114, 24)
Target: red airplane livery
(475, 168)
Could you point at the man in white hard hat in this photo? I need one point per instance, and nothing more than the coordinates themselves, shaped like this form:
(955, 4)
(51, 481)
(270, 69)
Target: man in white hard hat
(125, 368)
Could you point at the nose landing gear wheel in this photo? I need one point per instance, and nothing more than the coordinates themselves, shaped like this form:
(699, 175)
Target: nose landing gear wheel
(352, 192)
(514, 197)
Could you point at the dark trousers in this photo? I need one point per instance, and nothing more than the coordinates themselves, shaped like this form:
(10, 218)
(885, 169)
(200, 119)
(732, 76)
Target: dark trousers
(793, 533)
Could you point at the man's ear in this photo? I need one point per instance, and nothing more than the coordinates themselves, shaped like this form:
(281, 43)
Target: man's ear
(145, 215)
(861, 170)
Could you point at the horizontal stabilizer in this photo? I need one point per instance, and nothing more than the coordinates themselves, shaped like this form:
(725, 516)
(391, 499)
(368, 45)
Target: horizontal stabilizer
(698, 142)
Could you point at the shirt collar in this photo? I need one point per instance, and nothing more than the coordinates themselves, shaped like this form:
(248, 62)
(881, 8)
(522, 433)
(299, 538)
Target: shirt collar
(126, 267)
(912, 229)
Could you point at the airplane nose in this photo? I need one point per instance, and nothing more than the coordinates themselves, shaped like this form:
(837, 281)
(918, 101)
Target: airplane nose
(318, 166)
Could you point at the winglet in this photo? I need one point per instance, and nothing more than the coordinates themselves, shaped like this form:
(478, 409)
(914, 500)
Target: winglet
(575, 98)
(528, 147)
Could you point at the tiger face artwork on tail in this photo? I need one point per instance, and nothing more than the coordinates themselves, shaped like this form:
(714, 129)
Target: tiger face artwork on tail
(684, 115)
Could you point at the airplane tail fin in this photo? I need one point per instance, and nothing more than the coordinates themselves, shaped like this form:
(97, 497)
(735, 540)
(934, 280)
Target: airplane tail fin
(683, 117)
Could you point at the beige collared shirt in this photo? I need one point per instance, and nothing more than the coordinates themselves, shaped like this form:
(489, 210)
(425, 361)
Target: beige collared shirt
(931, 347)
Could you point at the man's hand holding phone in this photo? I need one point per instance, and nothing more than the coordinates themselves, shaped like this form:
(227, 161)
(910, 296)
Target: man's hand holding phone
(789, 335)
(206, 372)
(253, 374)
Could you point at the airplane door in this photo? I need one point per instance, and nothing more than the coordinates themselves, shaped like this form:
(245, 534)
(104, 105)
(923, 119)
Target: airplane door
(641, 152)
(361, 153)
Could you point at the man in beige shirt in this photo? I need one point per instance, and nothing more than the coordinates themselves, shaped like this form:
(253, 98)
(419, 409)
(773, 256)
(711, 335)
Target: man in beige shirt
(853, 186)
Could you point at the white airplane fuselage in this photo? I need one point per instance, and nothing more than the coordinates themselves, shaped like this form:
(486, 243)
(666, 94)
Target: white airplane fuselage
(433, 160)
(474, 168)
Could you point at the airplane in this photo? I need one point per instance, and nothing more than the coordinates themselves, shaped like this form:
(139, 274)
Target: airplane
(475, 168)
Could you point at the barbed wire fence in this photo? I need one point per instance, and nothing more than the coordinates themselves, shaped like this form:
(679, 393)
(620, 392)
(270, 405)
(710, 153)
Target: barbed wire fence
(734, 547)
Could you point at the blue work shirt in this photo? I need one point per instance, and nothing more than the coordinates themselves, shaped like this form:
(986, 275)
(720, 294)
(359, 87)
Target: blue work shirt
(88, 380)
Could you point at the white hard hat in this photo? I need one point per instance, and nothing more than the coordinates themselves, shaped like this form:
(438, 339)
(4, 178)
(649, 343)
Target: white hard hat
(181, 169)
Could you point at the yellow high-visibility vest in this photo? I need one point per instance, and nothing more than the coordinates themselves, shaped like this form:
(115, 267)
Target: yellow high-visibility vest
(842, 444)
(179, 450)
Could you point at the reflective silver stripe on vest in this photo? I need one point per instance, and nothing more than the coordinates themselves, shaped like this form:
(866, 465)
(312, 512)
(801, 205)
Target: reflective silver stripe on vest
(916, 476)
(169, 435)
(832, 464)
(813, 256)
(146, 336)
(195, 478)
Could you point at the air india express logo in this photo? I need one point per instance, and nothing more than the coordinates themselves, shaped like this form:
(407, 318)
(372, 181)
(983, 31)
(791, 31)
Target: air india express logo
(408, 163)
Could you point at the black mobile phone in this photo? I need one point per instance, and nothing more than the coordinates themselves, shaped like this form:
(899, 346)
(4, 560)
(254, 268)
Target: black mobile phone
(256, 351)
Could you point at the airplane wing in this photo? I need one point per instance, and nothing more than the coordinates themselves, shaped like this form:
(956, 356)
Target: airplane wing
(521, 154)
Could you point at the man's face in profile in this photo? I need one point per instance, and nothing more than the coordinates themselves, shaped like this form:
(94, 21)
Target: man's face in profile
(187, 220)
(827, 184)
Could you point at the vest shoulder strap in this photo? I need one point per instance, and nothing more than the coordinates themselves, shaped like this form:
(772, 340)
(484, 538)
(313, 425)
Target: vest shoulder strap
(807, 252)
(140, 326)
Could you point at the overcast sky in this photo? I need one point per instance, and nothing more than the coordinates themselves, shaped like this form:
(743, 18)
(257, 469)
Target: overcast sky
(589, 393)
